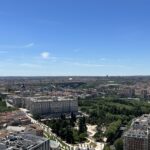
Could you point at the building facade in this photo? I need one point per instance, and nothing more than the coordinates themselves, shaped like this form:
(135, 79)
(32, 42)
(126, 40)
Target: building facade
(45, 105)
(138, 136)
(52, 106)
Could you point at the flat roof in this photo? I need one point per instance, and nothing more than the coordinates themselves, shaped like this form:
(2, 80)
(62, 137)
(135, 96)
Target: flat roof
(22, 140)
(45, 99)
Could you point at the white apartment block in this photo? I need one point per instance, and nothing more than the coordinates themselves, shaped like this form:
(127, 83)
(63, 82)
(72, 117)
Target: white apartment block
(43, 106)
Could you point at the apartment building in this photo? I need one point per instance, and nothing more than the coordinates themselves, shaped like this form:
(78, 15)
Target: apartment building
(138, 136)
(45, 105)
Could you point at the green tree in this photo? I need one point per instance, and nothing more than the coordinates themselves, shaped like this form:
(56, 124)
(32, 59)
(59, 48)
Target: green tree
(82, 125)
(73, 117)
(69, 135)
(119, 144)
(36, 116)
(82, 137)
(106, 147)
(112, 129)
(63, 116)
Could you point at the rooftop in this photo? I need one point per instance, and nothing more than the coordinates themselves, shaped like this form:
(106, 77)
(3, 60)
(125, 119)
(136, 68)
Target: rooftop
(137, 134)
(46, 98)
(139, 127)
(20, 141)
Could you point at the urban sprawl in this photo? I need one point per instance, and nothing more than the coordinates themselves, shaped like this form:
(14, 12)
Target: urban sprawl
(75, 113)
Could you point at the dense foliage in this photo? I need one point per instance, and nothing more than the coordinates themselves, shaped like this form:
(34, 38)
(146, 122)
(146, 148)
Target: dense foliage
(107, 147)
(112, 130)
(112, 113)
(65, 128)
(119, 144)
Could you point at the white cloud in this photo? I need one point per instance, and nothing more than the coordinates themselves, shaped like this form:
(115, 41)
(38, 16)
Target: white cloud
(45, 55)
(29, 45)
(30, 65)
(17, 46)
(91, 65)
(87, 64)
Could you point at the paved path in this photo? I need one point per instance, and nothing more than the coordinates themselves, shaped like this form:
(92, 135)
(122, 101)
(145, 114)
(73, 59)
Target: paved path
(91, 129)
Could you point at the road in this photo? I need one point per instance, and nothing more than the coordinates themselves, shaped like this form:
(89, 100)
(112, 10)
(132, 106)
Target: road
(48, 130)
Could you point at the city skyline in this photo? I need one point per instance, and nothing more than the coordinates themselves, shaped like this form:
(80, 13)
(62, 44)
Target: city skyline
(94, 38)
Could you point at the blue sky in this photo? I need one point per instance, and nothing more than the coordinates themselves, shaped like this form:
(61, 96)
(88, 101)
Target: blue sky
(74, 37)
